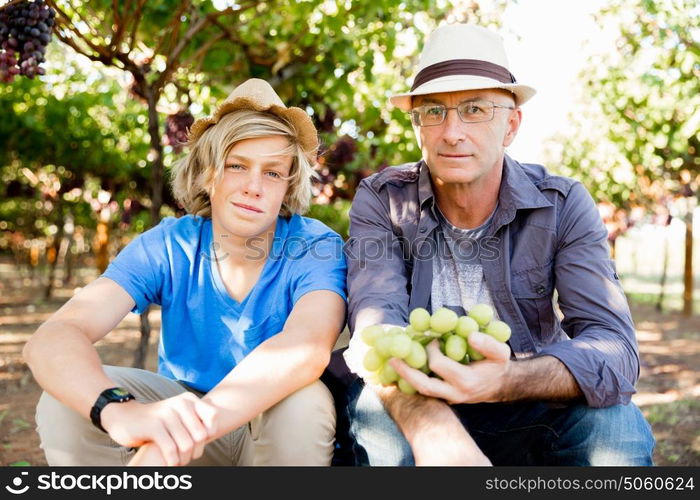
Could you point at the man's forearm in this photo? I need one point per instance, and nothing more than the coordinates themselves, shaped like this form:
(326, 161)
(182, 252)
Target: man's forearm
(435, 433)
(543, 378)
(414, 413)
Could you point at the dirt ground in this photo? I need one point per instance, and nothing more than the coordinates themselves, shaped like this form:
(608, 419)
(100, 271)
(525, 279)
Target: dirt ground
(668, 391)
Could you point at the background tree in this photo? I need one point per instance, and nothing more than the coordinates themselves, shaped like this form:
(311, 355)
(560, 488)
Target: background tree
(338, 60)
(635, 139)
(63, 151)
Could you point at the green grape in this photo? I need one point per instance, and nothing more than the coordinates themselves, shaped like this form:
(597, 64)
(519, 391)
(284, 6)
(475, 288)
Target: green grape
(383, 345)
(370, 334)
(400, 345)
(498, 330)
(419, 319)
(465, 359)
(443, 320)
(372, 361)
(456, 347)
(432, 334)
(410, 331)
(482, 313)
(466, 325)
(424, 340)
(395, 330)
(387, 375)
(473, 354)
(417, 358)
(372, 378)
(405, 387)
(425, 369)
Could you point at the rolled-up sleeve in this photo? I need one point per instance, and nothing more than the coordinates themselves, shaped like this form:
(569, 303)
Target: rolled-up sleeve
(602, 352)
(377, 276)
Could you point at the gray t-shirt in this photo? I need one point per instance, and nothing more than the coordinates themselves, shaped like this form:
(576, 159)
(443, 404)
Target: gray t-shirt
(458, 277)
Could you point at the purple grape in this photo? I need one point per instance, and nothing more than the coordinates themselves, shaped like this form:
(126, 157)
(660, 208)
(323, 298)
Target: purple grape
(26, 26)
(341, 153)
(176, 129)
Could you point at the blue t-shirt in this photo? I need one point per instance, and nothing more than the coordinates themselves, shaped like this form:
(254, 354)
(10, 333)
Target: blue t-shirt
(205, 332)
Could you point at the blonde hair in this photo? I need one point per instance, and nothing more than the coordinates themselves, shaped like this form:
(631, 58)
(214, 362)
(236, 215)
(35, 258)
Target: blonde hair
(194, 176)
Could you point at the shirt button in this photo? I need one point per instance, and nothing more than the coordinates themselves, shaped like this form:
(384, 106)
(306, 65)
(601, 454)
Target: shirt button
(423, 229)
(540, 289)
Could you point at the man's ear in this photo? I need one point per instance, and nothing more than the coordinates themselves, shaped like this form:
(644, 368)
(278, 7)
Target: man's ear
(513, 125)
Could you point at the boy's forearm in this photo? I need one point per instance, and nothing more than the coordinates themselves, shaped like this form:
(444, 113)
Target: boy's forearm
(66, 365)
(263, 379)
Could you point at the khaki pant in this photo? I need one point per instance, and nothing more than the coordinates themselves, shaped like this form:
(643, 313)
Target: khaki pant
(299, 430)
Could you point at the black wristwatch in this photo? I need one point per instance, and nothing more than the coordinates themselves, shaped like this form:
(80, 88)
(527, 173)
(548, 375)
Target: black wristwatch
(112, 395)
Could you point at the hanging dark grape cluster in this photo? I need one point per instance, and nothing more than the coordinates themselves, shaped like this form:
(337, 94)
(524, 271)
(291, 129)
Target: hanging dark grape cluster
(341, 153)
(176, 129)
(327, 123)
(25, 31)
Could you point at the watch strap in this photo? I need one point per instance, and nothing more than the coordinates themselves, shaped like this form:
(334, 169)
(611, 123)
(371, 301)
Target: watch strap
(111, 395)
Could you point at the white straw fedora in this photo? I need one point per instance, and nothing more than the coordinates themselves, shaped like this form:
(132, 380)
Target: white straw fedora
(462, 57)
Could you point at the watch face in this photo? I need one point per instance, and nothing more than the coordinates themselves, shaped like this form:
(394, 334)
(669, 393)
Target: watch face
(119, 392)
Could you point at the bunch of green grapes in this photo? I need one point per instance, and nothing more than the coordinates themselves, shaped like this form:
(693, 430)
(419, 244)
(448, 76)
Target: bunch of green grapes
(408, 343)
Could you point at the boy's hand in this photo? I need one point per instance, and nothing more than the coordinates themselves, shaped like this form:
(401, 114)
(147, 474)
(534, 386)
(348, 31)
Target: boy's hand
(179, 426)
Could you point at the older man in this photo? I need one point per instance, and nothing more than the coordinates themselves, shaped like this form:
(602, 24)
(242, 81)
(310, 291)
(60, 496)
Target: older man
(468, 224)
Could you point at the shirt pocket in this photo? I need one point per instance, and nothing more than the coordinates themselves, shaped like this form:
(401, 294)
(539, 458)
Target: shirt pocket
(262, 330)
(533, 291)
(533, 283)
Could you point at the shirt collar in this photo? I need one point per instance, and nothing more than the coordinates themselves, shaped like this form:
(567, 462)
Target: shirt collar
(517, 189)
(425, 187)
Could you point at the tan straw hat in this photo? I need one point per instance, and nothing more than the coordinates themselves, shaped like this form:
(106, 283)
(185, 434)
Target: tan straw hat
(258, 95)
(462, 57)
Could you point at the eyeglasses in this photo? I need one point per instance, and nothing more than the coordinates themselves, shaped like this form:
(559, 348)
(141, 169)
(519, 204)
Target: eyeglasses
(477, 111)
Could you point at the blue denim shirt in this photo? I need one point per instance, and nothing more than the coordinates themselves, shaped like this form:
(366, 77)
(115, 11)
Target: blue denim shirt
(546, 237)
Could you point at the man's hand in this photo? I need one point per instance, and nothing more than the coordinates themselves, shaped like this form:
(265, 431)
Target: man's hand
(179, 426)
(479, 382)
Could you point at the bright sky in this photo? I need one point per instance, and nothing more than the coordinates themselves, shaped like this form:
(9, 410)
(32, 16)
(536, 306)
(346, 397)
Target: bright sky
(556, 37)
